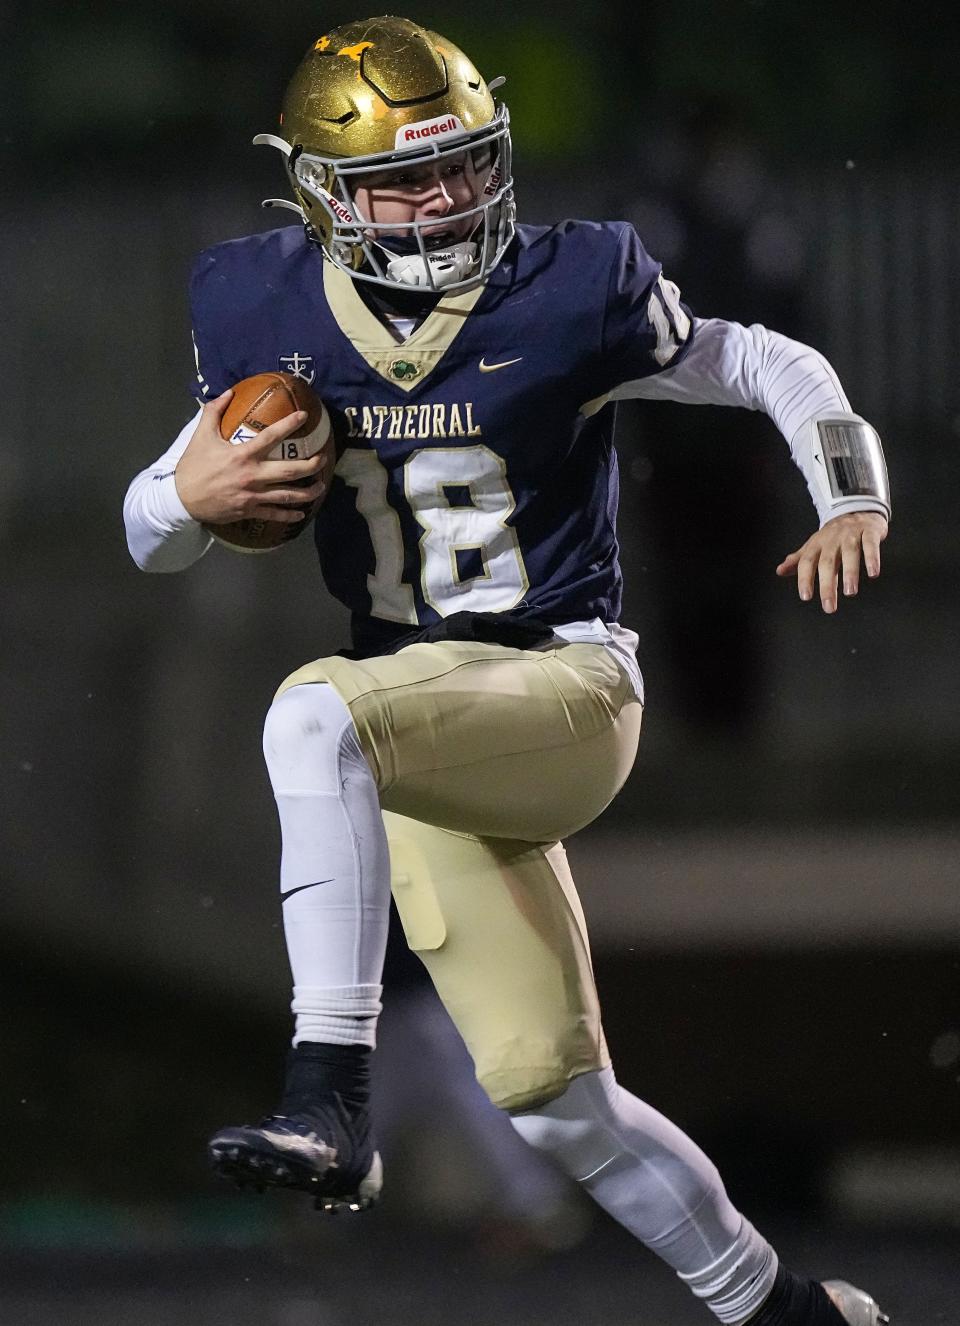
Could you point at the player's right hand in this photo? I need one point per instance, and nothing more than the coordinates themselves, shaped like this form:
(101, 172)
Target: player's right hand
(218, 481)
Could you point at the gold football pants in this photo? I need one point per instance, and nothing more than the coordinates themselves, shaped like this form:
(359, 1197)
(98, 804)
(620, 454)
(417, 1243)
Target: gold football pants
(484, 758)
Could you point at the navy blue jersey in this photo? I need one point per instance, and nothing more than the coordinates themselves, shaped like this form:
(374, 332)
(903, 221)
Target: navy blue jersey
(477, 469)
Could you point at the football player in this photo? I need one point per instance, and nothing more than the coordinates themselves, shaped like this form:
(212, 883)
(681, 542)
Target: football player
(490, 704)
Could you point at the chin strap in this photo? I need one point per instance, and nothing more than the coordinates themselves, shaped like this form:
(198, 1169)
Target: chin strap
(445, 266)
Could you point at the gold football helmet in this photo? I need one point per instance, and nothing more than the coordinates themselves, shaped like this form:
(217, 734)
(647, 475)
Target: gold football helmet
(367, 96)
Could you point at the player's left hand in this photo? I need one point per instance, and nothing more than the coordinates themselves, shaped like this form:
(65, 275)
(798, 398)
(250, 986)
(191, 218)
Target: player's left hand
(836, 549)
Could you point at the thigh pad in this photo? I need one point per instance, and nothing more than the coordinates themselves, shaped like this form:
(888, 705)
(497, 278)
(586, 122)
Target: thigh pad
(499, 927)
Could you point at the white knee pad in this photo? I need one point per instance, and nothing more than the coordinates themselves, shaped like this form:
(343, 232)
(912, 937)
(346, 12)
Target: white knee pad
(307, 735)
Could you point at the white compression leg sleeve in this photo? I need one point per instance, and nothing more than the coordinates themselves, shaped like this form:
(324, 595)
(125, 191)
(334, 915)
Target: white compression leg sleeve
(657, 1183)
(335, 865)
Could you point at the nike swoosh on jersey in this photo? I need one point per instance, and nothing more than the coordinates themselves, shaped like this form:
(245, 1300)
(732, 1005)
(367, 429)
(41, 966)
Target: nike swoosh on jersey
(492, 368)
(300, 887)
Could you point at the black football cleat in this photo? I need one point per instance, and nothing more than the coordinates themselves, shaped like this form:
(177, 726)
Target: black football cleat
(326, 1151)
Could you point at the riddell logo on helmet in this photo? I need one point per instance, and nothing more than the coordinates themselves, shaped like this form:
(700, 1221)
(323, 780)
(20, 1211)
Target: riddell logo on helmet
(435, 128)
(339, 210)
(336, 207)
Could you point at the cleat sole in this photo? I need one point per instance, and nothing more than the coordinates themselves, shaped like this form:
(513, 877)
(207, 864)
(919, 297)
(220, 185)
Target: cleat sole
(249, 1167)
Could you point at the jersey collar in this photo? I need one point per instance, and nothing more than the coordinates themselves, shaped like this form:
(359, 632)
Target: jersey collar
(404, 364)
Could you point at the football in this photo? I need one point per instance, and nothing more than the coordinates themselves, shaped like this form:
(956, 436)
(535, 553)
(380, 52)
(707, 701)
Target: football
(257, 402)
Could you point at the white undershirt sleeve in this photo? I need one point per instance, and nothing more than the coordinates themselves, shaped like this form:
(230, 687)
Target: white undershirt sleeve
(161, 533)
(758, 369)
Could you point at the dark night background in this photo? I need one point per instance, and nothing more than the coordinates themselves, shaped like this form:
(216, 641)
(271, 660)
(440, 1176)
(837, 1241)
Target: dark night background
(773, 898)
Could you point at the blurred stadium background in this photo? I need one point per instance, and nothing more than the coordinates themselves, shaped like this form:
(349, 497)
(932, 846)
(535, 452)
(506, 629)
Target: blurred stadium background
(773, 898)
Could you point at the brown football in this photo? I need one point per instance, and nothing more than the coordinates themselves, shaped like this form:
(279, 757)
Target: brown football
(258, 401)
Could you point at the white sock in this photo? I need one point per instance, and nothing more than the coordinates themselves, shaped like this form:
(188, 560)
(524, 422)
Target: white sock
(335, 865)
(657, 1183)
(736, 1285)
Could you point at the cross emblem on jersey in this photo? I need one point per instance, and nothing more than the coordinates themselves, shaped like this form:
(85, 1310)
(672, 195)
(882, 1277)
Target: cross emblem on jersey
(403, 370)
(301, 366)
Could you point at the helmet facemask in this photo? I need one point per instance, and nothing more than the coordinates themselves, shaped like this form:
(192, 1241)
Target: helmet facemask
(401, 253)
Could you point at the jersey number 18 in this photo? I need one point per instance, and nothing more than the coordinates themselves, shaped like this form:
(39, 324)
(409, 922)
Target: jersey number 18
(470, 557)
